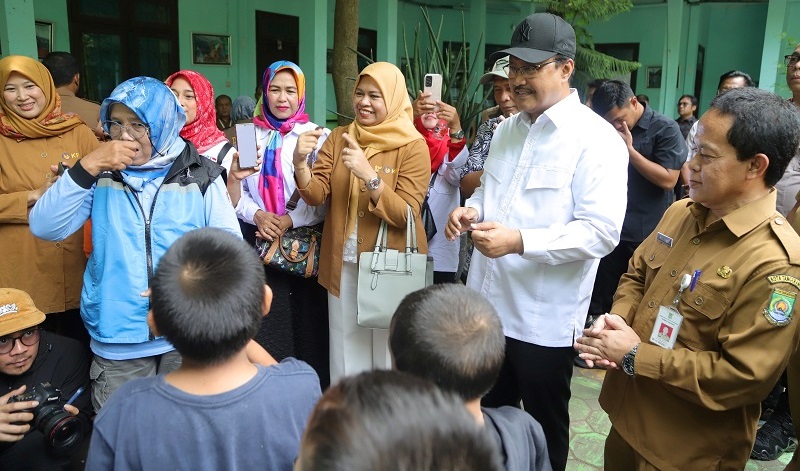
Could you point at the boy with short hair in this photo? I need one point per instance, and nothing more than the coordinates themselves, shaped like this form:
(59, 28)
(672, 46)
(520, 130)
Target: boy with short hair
(218, 410)
(452, 336)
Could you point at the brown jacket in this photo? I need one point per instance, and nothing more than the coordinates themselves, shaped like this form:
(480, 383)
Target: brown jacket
(51, 272)
(88, 111)
(695, 407)
(405, 173)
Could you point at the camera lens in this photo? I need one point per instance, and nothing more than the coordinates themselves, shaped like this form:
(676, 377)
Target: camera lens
(428, 80)
(63, 431)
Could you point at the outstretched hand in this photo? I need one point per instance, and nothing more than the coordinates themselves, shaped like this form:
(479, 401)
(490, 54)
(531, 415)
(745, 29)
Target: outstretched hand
(355, 159)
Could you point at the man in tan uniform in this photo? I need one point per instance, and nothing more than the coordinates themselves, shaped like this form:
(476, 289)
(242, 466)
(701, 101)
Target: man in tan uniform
(722, 270)
(67, 78)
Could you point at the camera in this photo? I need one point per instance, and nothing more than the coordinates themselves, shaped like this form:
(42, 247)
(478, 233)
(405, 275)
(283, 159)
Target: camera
(62, 431)
(428, 80)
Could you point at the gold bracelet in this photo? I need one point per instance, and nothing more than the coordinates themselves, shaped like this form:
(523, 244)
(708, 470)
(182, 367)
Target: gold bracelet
(296, 168)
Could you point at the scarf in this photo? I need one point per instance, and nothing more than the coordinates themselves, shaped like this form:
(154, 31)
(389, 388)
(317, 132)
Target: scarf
(156, 105)
(395, 131)
(51, 121)
(270, 182)
(203, 131)
(438, 140)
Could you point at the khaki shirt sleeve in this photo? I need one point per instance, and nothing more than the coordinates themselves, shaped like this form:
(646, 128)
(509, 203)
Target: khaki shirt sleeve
(751, 355)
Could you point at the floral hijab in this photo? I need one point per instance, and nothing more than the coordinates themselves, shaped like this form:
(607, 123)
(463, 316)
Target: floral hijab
(203, 131)
(51, 121)
(270, 183)
(157, 107)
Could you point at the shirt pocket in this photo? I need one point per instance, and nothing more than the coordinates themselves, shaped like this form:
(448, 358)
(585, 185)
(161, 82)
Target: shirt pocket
(548, 178)
(655, 253)
(702, 311)
(495, 168)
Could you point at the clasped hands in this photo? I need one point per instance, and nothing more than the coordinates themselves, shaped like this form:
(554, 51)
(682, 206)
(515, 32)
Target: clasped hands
(606, 341)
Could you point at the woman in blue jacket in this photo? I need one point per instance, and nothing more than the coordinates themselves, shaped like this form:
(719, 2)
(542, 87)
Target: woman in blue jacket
(143, 190)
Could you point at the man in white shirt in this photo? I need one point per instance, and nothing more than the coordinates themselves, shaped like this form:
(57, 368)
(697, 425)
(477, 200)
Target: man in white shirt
(551, 204)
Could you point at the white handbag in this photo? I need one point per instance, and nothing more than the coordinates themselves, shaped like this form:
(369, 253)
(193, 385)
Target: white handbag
(386, 276)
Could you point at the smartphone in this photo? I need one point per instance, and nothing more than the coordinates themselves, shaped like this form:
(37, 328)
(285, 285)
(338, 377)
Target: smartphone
(433, 84)
(246, 144)
(61, 169)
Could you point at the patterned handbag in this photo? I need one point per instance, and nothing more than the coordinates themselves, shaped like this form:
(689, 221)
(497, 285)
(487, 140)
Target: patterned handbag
(296, 251)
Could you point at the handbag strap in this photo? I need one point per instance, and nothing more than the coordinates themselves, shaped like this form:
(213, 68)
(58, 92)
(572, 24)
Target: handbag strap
(381, 243)
(292, 203)
(430, 185)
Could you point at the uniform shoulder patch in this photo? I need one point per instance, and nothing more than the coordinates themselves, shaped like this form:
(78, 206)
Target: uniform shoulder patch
(788, 279)
(779, 310)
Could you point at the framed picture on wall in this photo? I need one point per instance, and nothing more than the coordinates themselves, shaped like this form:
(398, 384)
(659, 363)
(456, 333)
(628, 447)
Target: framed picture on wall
(212, 49)
(44, 38)
(654, 77)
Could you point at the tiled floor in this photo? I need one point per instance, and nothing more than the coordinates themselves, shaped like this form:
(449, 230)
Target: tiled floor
(589, 427)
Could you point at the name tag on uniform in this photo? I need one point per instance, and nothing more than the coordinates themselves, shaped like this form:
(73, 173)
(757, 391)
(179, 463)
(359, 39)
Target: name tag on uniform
(664, 239)
(666, 328)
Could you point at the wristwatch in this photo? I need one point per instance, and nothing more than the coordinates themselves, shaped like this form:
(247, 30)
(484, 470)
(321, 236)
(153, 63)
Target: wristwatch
(457, 135)
(628, 359)
(374, 183)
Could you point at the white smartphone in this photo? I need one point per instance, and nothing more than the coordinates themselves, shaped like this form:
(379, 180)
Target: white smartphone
(433, 84)
(246, 144)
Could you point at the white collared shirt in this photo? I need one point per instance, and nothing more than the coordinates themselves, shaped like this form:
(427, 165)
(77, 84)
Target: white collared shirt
(562, 181)
(250, 202)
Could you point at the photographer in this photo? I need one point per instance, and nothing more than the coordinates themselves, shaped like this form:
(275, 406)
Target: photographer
(30, 356)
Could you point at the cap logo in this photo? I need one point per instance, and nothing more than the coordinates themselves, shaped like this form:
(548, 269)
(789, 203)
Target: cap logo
(522, 34)
(8, 309)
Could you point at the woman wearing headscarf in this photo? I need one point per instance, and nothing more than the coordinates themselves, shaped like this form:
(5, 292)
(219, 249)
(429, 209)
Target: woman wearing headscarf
(241, 112)
(34, 136)
(196, 96)
(143, 190)
(297, 322)
(367, 172)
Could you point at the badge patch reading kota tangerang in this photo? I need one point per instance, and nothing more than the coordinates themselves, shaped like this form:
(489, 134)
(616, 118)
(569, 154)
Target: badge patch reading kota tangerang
(784, 279)
(779, 310)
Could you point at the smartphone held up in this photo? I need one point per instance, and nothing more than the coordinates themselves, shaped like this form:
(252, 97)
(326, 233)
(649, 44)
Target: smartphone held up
(246, 145)
(433, 85)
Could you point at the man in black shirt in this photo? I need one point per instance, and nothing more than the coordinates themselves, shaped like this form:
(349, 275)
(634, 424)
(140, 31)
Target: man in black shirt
(30, 356)
(657, 151)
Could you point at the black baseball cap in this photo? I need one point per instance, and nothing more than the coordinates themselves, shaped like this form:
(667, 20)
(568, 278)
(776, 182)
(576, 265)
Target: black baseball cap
(539, 37)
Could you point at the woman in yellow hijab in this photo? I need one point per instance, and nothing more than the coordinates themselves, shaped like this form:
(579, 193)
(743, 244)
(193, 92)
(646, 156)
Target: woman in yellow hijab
(367, 172)
(34, 137)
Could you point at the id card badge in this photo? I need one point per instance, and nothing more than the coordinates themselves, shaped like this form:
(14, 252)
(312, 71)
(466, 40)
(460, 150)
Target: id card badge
(666, 328)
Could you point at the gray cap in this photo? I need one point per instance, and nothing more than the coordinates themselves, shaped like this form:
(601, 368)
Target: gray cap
(539, 37)
(497, 71)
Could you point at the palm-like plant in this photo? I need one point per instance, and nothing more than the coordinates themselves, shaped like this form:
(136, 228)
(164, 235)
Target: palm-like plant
(580, 14)
(457, 68)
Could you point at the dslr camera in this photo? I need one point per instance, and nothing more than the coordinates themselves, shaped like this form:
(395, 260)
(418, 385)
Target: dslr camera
(62, 431)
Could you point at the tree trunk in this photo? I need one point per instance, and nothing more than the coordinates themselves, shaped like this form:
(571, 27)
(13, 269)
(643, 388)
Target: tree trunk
(345, 66)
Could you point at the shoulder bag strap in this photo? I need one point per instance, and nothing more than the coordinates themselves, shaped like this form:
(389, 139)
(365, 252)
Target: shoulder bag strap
(292, 203)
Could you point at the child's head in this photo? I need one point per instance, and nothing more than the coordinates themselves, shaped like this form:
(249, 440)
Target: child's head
(392, 420)
(208, 295)
(450, 335)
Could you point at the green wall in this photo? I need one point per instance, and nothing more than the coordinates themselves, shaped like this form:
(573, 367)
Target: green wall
(732, 33)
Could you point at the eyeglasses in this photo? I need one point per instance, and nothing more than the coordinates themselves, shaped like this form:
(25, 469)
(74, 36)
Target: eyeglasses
(135, 130)
(527, 71)
(790, 59)
(28, 338)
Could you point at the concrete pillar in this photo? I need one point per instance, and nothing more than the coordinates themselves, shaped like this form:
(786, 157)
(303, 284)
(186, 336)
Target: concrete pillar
(388, 32)
(475, 23)
(313, 56)
(773, 36)
(17, 32)
(672, 56)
